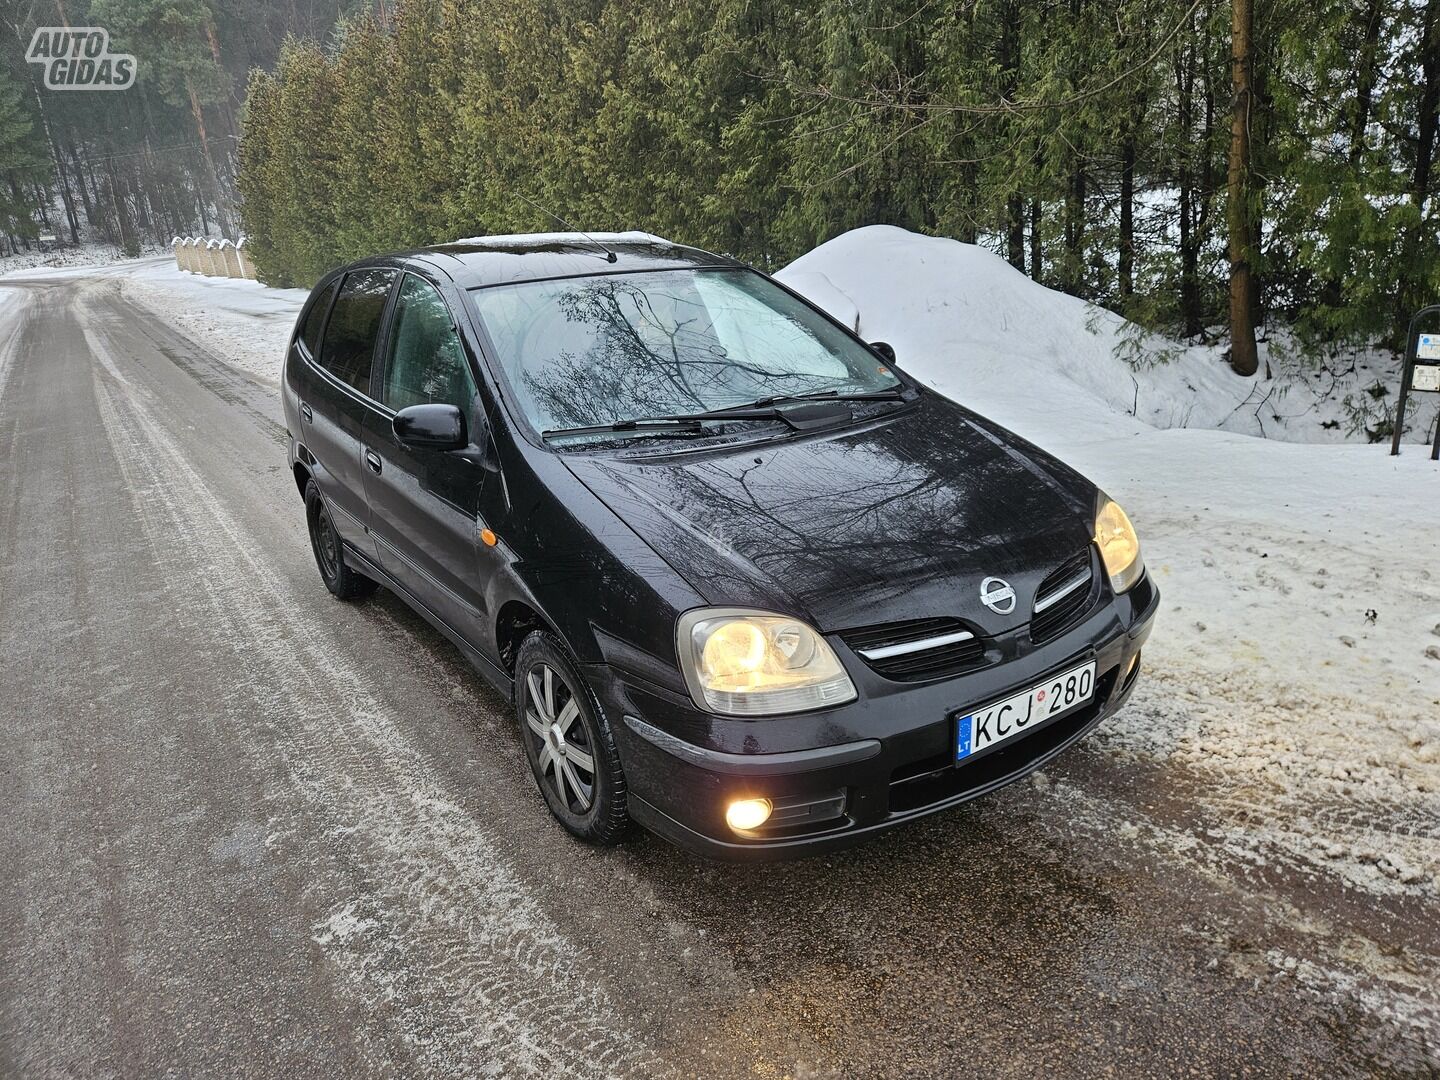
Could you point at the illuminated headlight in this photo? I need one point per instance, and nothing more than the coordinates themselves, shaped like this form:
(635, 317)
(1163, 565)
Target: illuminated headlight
(751, 663)
(1119, 546)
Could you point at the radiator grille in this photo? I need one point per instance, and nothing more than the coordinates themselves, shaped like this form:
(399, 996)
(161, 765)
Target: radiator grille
(1065, 595)
(956, 647)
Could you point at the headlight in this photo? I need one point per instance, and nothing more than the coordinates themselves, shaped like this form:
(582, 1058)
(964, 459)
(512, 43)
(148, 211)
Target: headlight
(750, 663)
(1119, 546)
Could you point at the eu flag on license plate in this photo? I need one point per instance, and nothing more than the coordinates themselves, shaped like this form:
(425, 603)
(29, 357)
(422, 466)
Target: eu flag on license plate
(962, 738)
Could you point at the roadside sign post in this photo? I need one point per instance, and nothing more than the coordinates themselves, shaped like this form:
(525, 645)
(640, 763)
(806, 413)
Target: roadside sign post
(1421, 373)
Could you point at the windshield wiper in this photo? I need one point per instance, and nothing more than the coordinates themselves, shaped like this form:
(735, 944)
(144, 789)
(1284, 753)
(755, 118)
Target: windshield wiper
(893, 394)
(679, 423)
(801, 419)
(764, 409)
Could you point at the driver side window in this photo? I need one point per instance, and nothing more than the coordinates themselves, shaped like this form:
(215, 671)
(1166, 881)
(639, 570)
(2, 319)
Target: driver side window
(425, 363)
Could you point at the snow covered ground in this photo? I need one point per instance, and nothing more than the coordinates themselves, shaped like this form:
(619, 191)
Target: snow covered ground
(1292, 704)
(244, 321)
(1296, 664)
(1293, 695)
(86, 254)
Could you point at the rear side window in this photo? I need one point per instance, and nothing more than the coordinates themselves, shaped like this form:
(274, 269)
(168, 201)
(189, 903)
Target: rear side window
(354, 322)
(315, 319)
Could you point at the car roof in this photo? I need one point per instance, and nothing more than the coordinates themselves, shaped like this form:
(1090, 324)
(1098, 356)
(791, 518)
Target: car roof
(500, 260)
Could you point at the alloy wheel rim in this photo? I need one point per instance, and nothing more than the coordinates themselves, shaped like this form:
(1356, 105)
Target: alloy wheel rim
(565, 757)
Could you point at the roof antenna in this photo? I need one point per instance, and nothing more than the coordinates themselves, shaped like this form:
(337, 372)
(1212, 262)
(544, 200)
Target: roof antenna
(610, 256)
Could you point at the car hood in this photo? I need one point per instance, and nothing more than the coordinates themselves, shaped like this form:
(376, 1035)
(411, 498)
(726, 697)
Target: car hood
(900, 517)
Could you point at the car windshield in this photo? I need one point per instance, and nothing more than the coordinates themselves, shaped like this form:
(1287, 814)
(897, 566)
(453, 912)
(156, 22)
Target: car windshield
(597, 350)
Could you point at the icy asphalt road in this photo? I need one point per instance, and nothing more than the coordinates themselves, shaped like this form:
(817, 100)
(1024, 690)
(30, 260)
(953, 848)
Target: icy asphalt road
(248, 830)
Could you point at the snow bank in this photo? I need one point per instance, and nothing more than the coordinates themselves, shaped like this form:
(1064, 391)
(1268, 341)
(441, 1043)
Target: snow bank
(966, 322)
(1290, 706)
(247, 323)
(820, 290)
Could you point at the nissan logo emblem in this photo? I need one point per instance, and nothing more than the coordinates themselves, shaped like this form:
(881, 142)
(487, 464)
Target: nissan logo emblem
(997, 595)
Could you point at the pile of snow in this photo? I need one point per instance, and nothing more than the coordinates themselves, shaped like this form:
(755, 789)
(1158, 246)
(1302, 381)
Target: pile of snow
(1295, 667)
(968, 323)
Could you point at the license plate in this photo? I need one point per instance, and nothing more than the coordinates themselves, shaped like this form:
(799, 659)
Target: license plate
(1003, 720)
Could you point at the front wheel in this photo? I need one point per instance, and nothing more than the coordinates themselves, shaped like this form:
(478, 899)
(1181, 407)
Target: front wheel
(568, 742)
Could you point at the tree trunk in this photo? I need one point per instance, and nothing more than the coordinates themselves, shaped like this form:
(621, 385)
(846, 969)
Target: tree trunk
(1189, 242)
(199, 114)
(1429, 103)
(1366, 73)
(1010, 80)
(1074, 278)
(1244, 359)
(80, 183)
(1015, 232)
(1413, 292)
(55, 156)
(1037, 261)
(125, 238)
(1127, 213)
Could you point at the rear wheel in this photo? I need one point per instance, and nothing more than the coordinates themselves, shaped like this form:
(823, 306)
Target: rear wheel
(568, 742)
(325, 541)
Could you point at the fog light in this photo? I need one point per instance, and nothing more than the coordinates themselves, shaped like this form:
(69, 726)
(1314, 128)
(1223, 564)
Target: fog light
(1130, 667)
(744, 815)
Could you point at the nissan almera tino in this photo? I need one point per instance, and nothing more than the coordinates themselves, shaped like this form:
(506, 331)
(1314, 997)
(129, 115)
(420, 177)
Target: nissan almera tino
(745, 581)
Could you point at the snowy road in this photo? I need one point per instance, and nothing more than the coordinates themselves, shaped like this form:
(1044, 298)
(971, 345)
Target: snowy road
(247, 830)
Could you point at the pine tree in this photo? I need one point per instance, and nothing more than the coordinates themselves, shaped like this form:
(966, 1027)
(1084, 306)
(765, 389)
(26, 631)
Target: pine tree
(24, 166)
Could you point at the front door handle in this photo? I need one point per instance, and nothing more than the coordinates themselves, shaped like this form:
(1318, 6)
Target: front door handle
(373, 460)
(305, 413)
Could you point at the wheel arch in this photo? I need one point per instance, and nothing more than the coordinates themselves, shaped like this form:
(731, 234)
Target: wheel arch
(515, 621)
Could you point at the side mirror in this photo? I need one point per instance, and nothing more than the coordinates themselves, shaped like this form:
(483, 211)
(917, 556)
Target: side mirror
(431, 427)
(885, 349)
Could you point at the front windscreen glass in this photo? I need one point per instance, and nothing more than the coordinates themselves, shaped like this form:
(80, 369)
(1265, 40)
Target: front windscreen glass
(596, 350)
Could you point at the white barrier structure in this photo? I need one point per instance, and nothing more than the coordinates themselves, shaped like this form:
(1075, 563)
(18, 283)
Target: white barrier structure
(242, 253)
(229, 259)
(214, 257)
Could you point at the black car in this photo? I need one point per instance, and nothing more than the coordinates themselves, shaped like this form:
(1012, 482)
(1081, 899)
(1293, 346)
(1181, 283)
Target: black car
(746, 582)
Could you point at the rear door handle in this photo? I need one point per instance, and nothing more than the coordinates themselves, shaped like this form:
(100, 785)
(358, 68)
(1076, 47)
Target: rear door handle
(305, 413)
(373, 460)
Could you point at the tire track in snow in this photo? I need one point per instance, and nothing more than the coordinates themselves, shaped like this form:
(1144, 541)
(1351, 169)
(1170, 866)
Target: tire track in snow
(441, 936)
(14, 304)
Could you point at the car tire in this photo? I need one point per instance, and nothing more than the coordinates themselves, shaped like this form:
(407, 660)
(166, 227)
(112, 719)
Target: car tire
(564, 730)
(344, 582)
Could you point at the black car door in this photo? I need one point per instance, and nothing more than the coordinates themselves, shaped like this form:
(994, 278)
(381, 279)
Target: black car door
(424, 503)
(335, 399)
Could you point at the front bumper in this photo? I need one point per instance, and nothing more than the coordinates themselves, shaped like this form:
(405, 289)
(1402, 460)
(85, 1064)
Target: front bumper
(840, 775)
